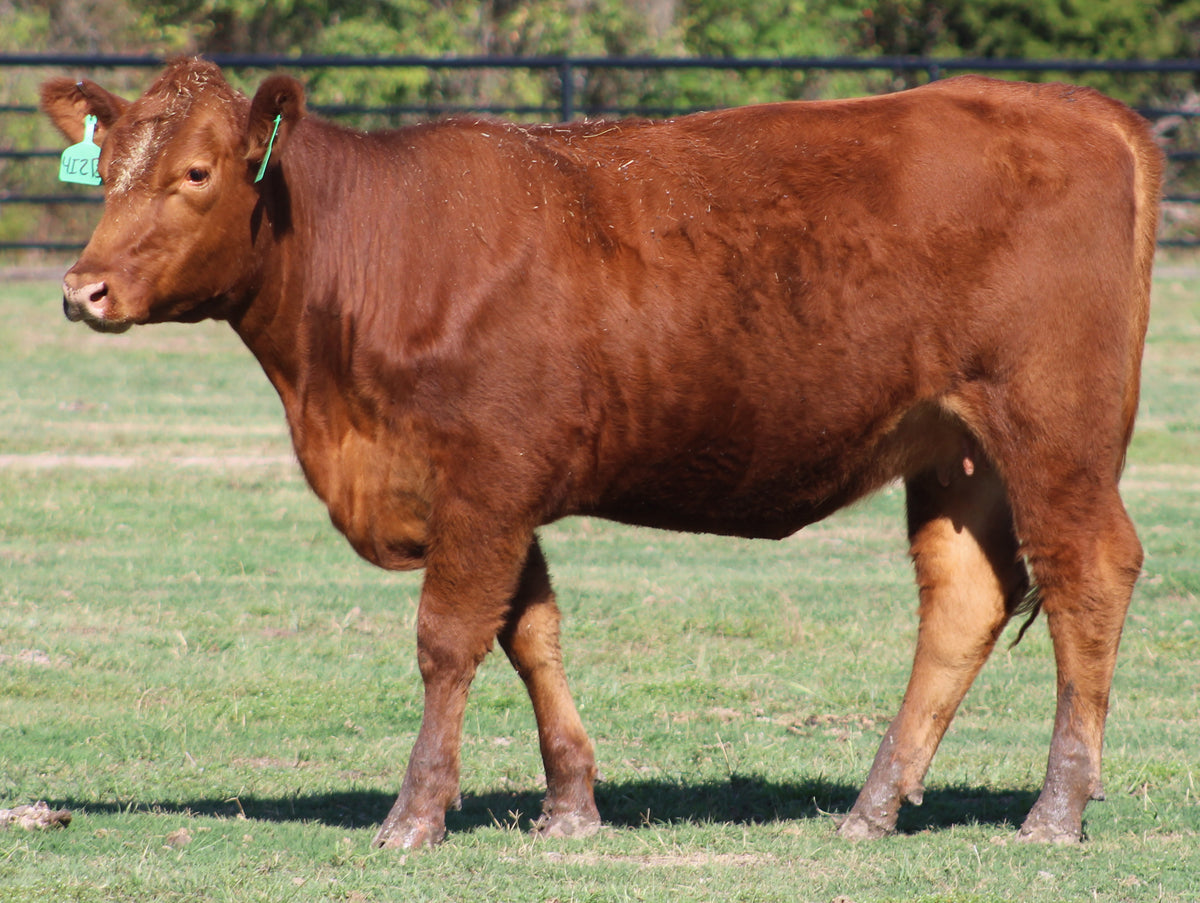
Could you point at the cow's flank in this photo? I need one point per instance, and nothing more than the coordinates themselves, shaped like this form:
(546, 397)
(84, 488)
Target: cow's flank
(733, 322)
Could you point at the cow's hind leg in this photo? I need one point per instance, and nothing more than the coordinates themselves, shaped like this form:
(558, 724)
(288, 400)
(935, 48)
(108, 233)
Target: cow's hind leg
(531, 639)
(1085, 557)
(971, 580)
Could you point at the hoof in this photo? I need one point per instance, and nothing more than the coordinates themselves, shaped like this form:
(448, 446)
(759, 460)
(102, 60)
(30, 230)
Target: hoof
(418, 834)
(1048, 833)
(855, 827)
(567, 824)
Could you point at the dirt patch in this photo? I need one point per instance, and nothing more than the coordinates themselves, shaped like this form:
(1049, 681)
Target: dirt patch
(37, 817)
(1161, 478)
(27, 657)
(50, 461)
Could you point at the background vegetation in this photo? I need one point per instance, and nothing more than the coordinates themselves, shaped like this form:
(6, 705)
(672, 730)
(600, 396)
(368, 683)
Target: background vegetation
(997, 29)
(1035, 29)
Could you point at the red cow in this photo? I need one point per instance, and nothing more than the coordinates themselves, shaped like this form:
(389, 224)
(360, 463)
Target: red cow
(733, 322)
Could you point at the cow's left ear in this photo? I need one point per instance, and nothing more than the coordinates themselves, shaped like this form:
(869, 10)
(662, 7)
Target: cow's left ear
(277, 106)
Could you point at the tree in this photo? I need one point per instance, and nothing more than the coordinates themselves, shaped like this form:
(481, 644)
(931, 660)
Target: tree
(1041, 29)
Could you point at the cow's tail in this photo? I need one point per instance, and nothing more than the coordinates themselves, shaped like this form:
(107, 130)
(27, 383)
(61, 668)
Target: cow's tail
(1147, 193)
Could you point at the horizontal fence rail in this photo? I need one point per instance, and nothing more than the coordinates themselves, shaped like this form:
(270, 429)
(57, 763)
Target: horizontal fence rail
(569, 78)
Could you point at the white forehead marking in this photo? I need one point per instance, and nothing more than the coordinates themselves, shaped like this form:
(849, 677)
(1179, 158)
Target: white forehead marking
(135, 162)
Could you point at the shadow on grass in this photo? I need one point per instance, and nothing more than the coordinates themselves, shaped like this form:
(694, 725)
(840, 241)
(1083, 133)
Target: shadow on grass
(738, 800)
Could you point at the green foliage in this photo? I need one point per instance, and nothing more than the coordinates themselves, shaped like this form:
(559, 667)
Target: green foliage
(1040, 29)
(1034, 29)
(1091, 29)
(1097, 29)
(1084, 29)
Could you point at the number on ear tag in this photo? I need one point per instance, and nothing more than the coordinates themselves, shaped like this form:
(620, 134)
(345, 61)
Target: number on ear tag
(80, 162)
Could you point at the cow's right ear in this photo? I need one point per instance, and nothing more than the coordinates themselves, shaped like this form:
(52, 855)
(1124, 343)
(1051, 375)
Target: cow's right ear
(68, 102)
(277, 106)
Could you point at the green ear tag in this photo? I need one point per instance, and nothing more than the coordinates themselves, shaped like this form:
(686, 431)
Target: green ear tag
(262, 170)
(80, 162)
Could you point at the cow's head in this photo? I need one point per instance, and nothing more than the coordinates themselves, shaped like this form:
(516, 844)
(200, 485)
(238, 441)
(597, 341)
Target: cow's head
(182, 220)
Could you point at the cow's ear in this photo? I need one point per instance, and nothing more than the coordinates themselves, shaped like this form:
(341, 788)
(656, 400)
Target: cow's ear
(277, 106)
(68, 102)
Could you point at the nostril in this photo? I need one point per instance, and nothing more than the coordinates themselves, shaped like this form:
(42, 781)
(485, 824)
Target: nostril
(83, 300)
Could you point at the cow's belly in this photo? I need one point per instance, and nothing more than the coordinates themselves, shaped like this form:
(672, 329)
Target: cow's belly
(703, 500)
(771, 483)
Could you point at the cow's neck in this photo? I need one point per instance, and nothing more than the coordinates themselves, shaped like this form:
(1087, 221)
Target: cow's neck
(371, 473)
(303, 326)
(355, 281)
(270, 326)
(294, 277)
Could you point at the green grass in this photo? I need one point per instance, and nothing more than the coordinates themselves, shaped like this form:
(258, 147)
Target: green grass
(186, 643)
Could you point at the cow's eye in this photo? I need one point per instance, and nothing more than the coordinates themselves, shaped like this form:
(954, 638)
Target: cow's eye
(197, 175)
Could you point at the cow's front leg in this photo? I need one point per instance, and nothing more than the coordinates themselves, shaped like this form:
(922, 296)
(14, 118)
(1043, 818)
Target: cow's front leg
(464, 600)
(531, 640)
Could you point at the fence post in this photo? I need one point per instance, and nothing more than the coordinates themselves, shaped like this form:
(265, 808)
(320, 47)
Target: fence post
(566, 75)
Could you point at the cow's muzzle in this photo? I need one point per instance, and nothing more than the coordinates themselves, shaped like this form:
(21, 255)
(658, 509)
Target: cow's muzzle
(92, 304)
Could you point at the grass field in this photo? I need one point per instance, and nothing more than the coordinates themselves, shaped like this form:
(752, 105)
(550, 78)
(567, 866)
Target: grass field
(195, 663)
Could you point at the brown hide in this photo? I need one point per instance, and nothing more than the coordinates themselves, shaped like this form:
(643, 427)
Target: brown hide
(733, 322)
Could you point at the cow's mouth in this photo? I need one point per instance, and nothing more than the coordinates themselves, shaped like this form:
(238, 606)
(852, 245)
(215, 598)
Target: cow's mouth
(93, 305)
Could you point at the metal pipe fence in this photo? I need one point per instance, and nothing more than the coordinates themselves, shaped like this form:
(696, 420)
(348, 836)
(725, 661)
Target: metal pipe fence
(567, 88)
